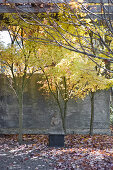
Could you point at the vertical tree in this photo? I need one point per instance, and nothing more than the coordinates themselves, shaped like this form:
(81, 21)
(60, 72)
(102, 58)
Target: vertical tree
(19, 67)
(74, 77)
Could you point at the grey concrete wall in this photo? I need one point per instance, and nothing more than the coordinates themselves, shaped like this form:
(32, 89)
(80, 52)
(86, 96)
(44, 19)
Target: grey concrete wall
(41, 114)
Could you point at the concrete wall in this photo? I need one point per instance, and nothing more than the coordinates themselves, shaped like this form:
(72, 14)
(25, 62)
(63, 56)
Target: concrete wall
(41, 114)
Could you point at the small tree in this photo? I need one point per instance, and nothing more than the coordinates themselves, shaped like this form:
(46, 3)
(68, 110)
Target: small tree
(74, 77)
(89, 81)
(19, 67)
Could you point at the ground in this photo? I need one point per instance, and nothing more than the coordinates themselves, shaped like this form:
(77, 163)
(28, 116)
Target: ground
(81, 152)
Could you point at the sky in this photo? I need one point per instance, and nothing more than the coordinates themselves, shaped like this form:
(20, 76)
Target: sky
(5, 38)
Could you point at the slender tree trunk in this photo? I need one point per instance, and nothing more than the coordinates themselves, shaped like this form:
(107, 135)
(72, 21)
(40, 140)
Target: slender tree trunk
(20, 102)
(64, 124)
(92, 114)
(65, 105)
(64, 117)
(64, 110)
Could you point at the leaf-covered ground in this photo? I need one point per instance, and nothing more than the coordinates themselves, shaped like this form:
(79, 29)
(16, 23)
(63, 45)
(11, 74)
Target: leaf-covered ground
(81, 152)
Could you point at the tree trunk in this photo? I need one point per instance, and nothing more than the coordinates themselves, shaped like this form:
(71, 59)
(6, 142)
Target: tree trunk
(64, 124)
(64, 117)
(92, 114)
(65, 106)
(20, 102)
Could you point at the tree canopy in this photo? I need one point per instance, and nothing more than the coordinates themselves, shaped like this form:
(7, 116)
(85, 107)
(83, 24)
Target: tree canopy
(78, 26)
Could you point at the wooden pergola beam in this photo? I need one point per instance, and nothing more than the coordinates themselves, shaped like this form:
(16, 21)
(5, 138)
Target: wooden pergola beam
(27, 8)
(41, 6)
(32, 1)
(30, 6)
(49, 1)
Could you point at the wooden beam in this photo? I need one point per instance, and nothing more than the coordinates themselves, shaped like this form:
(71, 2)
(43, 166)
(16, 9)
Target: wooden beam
(49, 1)
(96, 1)
(27, 8)
(30, 6)
(40, 6)
(32, 1)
